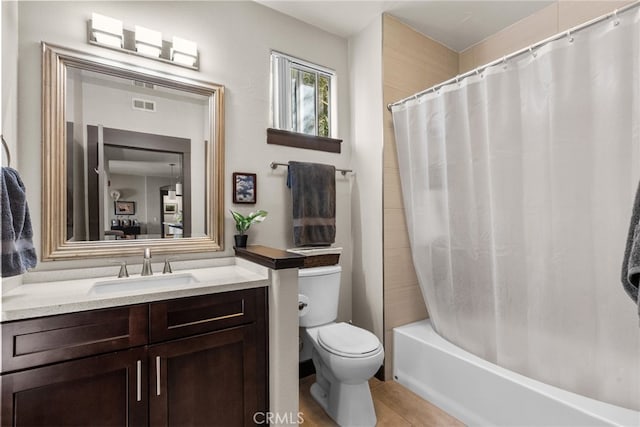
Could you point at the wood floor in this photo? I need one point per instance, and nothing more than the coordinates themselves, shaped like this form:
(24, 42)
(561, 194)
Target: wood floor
(395, 406)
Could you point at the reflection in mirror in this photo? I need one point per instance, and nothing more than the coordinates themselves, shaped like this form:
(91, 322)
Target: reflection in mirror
(139, 169)
(145, 178)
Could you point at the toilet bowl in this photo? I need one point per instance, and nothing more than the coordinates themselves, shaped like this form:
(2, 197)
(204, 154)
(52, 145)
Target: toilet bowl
(345, 356)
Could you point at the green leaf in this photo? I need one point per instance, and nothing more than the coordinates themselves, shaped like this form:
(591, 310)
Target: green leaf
(244, 222)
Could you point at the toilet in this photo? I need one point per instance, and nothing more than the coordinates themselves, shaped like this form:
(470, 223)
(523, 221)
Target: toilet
(345, 356)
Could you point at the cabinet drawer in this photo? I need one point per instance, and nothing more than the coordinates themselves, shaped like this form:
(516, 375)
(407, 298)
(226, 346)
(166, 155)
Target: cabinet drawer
(196, 315)
(29, 343)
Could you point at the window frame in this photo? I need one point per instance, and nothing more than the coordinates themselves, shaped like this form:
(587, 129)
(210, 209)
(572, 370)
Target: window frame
(281, 119)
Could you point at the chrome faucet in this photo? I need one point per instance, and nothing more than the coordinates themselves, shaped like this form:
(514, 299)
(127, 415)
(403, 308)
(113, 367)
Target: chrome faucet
(123, 270)
(167, 267)
(146, 263)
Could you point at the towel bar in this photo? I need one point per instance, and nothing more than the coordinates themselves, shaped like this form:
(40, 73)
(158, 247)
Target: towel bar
(344, 172)
(6, 149)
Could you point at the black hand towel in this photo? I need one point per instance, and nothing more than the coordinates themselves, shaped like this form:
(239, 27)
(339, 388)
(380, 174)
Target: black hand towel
(313, 192)
(18, 253)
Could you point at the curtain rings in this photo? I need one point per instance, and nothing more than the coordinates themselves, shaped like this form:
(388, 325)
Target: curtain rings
(569, 37)
(616, 21)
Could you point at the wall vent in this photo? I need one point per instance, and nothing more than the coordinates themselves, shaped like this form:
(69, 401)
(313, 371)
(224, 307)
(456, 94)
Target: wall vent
(144, 105)
(140, 83)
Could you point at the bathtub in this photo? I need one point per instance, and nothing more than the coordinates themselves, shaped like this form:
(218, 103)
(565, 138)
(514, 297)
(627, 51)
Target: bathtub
(480, 393)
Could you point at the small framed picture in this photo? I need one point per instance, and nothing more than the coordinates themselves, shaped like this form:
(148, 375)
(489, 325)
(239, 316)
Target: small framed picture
(125, 208)
(170, 208)
(245, 187)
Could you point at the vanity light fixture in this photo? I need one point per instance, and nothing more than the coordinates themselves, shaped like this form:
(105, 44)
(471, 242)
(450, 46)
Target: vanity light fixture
(109, 32)
(106, 30)
(148, 42)
(184, 51)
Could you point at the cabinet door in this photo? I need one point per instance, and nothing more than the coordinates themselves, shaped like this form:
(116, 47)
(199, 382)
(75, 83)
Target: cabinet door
(214, 379)
(107, 390)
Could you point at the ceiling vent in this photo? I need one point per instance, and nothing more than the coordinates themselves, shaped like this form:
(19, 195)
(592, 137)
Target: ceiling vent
(140, 83)
(144, 105)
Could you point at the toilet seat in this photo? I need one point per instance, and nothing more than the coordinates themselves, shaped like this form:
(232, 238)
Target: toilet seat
(343, 339)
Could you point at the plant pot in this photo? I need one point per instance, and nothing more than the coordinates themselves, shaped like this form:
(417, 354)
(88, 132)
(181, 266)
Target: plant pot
(241, 240)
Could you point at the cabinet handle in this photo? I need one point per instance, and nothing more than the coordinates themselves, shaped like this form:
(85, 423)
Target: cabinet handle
(139, 380)
(157, 375)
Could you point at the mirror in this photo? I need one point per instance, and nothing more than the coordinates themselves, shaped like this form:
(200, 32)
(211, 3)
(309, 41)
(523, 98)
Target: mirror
(132, 158)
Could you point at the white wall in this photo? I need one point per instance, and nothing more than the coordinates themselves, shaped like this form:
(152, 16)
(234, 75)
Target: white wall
(365, 64)
(235, 40)
(9, 91)
(9, 95)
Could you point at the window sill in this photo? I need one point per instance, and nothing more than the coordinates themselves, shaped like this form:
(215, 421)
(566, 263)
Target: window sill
(300, 140)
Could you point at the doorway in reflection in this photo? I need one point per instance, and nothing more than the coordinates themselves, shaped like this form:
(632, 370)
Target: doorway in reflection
(132, 183)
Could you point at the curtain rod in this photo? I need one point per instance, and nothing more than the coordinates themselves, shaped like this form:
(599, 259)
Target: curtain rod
(537, 45)
(344, 172)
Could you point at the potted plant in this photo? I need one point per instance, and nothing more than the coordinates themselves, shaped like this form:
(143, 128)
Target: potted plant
(243, 223)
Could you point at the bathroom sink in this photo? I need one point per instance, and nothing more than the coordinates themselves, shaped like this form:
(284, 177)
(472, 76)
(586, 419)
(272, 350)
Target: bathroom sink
(142, 283)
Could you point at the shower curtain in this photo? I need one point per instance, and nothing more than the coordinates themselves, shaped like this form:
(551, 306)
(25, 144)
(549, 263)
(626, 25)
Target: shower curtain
(518, 185)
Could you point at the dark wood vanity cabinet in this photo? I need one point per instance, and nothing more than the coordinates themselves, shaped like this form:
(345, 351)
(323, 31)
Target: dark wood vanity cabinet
(191, 361)
(216, 376)
(101, 390)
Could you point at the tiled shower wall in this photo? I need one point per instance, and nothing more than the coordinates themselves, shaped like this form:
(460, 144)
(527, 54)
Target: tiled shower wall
(410, 62)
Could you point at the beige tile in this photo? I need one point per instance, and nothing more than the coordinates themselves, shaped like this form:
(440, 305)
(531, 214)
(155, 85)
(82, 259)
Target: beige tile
(392, 94)
(414, 409)
(466, 61)
(529, 30)
(395, 229)
(392, 196)
(412, 61)
(411, 74)
(398, 268)
(572, 13)
(390, 153)
(403, 305)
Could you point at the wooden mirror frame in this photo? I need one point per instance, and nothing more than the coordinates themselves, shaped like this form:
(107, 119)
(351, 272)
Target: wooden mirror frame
(55, 246)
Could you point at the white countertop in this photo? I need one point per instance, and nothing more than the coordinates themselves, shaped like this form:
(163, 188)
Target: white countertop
(72, 295)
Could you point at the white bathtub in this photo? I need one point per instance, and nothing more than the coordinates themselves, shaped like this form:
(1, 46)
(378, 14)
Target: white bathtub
(480, 393)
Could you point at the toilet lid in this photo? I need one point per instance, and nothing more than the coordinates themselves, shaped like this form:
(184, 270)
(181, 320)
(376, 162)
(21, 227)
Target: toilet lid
(347, 340)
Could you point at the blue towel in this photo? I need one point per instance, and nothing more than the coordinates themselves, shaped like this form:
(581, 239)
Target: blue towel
(631, 262)
(313, 193)
(18, 253)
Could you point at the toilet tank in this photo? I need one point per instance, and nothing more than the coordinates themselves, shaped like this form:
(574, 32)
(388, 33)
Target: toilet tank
(319, 288)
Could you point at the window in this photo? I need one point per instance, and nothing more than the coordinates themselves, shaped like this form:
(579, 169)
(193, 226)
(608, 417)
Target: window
(301, 98)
